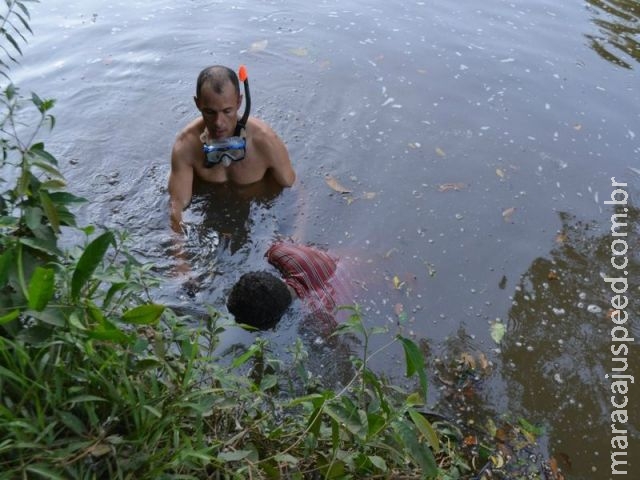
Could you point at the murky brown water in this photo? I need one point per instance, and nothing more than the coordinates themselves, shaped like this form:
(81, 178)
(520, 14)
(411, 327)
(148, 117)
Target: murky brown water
(478, 141)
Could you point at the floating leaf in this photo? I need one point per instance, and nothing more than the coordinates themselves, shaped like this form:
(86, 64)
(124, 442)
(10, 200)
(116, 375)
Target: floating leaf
(335, 185)
(445, 187)
(552, 275)
(577, 127)
(498, 329)
(258, 46)
(440, 152)
(500, 172)
(300, 52)
(508, 213)
(397, 284)
(369, 195)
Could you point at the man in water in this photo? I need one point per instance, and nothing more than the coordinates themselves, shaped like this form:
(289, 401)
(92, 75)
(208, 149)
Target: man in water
(221, 149)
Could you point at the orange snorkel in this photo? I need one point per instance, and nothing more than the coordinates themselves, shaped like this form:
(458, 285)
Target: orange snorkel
(244, 78)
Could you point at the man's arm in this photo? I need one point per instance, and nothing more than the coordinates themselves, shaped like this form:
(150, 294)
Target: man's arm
(180, 184)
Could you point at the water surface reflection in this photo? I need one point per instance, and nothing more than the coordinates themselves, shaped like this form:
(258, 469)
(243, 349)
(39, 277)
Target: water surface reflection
(558, 347)
(618, 23)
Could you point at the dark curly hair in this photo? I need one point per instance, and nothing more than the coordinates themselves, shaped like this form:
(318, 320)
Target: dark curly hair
(259, 299)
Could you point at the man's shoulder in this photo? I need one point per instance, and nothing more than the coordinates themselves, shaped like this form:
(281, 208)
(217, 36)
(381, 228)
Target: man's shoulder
(260, 131)
(190, 134)
(188, 139)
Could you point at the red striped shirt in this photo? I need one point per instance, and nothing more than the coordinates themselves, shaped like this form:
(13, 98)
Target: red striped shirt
(307, 270)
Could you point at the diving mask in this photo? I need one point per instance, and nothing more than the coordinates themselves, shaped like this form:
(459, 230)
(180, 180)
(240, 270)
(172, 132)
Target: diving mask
(227, 150)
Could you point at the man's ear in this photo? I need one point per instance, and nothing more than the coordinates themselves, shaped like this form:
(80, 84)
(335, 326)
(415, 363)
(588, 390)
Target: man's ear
(197, 102)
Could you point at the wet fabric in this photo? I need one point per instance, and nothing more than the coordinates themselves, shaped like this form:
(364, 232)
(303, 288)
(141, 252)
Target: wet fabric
(309, 271)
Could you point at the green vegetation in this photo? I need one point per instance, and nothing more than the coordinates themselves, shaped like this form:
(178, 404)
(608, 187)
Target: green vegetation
(97, 381)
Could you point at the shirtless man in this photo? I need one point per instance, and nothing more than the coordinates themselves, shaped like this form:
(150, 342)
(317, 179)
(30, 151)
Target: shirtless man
(263, 153)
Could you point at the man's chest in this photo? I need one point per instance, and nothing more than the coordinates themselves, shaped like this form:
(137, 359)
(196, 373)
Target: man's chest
(243, 172)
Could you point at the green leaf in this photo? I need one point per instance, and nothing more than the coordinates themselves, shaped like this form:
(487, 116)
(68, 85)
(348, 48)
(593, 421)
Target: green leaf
(41, 288)
(44, 471)
(89, 261)
(84, 398)
(6, 259)
(50, 316)
(234, 456)
(415, 364)
(48, 247)
(12, 41)
(498, 329)
(9, 317)
(154, 411)
(144, 314)
(426, 429)
(422, 457)
(66, 198)
(378, 462)
(531, 428)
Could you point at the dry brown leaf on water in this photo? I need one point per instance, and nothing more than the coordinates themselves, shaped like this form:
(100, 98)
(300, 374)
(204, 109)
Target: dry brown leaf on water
(508, 213)
(300, 52)
(500, 172)
(398, 309)
(440, 152)
(552, 275)
(561, 238)
(445, 187)
(335, 185)
(484, 363)
(259, 46)
(468, 360)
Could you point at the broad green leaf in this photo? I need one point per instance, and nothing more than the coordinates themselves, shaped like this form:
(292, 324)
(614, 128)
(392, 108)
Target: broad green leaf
(56, 184)
(109, 335)
(50, 316)
(378, 462)
(426, 429)
(9, 317)
(350, 418)
(143, 315)
(48, 247)
(420, 454)
(415, 364)
(47, 167)
(89, 261)
(9, 222)
(66, 198)
(41, 287)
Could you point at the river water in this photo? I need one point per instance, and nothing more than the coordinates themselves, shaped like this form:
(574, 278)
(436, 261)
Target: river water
(477, 141)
